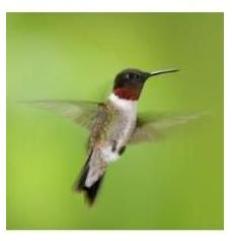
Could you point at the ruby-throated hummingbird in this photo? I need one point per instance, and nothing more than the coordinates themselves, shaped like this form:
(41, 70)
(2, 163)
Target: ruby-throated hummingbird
(113, 125)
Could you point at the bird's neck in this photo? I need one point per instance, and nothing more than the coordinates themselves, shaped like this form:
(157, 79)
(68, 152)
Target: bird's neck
(127, 93)
(123, 104)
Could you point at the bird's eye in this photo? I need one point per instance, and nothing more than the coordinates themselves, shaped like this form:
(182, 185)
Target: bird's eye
(127, 76)
(137, 76)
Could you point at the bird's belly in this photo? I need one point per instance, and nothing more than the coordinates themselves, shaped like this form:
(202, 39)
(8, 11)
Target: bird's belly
(117, 142)
(108, 154)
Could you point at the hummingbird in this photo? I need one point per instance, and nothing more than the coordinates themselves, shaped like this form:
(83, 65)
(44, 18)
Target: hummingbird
(113, 125)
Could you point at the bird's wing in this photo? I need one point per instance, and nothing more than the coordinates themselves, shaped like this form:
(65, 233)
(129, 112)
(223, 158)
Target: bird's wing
(81, 112)
(153, 128)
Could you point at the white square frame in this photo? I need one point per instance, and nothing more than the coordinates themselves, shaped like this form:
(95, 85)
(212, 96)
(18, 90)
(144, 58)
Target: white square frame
(118, 6)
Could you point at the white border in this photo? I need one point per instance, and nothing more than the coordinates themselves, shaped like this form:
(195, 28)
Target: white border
(2, 121)
(114, 5)
(123, 6)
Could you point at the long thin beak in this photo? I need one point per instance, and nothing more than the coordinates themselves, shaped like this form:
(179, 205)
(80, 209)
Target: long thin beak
(165, 71)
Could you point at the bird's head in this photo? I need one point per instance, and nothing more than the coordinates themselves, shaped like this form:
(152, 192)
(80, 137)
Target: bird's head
(129, 83)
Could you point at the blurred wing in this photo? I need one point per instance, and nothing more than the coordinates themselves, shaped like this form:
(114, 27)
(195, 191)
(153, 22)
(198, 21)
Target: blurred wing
(152, 129)
(81, 112)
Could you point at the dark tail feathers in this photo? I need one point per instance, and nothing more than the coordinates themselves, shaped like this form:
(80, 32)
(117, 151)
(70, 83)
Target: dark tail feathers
(90, 192)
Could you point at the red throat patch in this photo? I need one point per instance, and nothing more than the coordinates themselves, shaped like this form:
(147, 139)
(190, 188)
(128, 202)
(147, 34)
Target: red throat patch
(128, 94)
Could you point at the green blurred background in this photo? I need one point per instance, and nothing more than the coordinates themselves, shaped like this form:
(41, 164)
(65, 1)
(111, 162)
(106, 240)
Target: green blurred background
(171, 184)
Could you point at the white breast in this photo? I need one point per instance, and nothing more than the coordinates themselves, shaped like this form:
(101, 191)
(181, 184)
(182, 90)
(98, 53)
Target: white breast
(128, 109)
